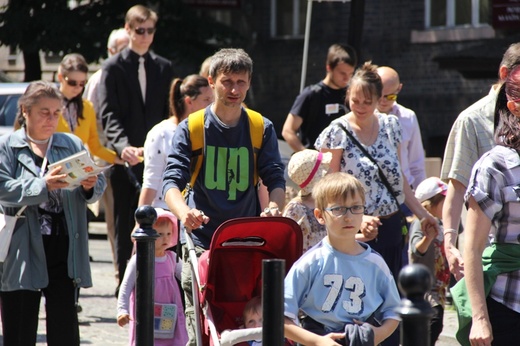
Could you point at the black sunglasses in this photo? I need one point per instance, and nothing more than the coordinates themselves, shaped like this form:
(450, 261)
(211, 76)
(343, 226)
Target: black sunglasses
(141, 31)
(73, 83)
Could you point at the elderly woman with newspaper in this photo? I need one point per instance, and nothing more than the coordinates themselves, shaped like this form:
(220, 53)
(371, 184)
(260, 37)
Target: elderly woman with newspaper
(48, 250)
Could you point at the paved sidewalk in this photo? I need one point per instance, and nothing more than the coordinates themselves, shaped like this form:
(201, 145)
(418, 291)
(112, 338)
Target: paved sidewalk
(98, 325)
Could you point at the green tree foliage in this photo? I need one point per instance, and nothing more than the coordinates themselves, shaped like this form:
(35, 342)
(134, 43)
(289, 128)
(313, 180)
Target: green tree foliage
(184, 35)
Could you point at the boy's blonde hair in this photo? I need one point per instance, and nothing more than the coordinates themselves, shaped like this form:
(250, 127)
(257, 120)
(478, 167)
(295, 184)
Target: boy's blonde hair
(334, 186)
(253, 306)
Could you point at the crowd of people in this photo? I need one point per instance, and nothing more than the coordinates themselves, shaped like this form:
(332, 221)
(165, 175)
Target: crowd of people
(193, 150)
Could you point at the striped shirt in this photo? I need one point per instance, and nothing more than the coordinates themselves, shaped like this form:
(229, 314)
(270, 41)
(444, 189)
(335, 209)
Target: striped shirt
(495, 186)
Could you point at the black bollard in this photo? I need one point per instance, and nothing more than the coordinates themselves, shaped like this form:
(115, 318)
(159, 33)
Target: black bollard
(273, 273)
(414, 281)
(145, 237)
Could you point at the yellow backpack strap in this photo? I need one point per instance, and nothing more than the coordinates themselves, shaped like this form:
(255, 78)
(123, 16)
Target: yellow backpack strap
(256, 130)
(196, 130)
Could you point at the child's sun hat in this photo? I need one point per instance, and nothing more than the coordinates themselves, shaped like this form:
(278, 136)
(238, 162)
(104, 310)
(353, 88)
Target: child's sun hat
(307, 167)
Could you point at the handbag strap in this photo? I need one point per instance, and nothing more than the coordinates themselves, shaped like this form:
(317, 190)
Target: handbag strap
(19, 213)
(379, 170)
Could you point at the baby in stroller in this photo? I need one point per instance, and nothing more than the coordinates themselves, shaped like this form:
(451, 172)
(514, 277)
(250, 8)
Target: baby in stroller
(229, 275)
(253, 317)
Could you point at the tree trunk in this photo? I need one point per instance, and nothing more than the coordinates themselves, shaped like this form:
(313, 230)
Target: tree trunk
(355, 28)
(33, 67)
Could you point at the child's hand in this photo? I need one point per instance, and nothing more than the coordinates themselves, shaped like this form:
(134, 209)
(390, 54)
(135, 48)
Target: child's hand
(369, 227)
(430, 233)
(428, 221)
(123, 320)
(329, 339)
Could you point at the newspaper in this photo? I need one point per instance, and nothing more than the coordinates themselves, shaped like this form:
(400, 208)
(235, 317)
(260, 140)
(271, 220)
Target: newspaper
(78, 167)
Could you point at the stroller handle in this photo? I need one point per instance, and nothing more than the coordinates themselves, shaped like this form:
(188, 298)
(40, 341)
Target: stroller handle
(233, 337)
(192, 254)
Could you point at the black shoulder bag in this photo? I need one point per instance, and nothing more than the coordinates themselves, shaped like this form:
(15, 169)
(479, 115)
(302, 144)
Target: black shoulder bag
(404, 222)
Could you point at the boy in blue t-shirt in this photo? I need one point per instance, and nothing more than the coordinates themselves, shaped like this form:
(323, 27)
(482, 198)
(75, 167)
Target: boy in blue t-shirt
(345, 290)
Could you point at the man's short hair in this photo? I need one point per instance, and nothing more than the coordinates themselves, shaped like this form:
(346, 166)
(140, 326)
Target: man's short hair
(230, 60)
(341, 53)
(334, 186)
(139, 14)
(511, 57)
(115, 35)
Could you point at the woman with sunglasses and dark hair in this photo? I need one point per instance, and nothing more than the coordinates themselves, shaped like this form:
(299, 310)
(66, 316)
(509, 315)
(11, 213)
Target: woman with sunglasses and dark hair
(78, 115)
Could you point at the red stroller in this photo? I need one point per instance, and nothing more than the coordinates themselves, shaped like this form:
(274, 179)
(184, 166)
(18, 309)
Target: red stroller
(230, 273)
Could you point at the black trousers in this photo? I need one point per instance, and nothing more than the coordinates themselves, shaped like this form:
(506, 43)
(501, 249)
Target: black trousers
(389, 243)
(126, 196)
(504, 322)
(436, 324)
(20, 308)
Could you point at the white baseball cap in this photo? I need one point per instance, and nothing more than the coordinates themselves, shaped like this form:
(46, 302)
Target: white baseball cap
(429, 188)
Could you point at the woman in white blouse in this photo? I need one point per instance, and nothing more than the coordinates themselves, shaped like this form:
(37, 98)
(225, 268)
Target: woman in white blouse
(380, 136)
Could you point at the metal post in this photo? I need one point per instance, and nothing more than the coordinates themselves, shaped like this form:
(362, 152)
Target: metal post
(145, 237)
(414, 281)
(273, 273)
(306, 44)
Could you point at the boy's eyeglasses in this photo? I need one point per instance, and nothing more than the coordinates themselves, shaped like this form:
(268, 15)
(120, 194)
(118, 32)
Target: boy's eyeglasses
(141, 31)
(390, 97)
(74, 83)
(340, 211)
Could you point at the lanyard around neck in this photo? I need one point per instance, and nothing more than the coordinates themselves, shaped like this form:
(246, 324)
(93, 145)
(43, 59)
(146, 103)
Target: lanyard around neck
(45, 159)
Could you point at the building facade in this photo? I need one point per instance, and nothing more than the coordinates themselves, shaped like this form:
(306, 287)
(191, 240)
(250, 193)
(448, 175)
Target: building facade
(446, 52)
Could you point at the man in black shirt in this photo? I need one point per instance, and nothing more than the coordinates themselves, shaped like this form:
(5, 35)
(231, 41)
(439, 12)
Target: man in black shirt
(319, 104)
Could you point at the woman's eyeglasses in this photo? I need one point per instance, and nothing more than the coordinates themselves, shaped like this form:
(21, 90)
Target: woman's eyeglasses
(74, 83)
(390, 97)
(141, 31)
(340, 211)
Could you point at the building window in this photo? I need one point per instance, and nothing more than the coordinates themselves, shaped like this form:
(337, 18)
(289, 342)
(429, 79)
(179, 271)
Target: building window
(288, 18)
(457, 13)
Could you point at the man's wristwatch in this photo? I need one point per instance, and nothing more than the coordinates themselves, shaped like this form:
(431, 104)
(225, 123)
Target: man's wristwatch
(267, 210)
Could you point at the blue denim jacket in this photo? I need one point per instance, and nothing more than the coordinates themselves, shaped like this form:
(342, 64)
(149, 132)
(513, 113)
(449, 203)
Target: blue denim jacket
(25, 265)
